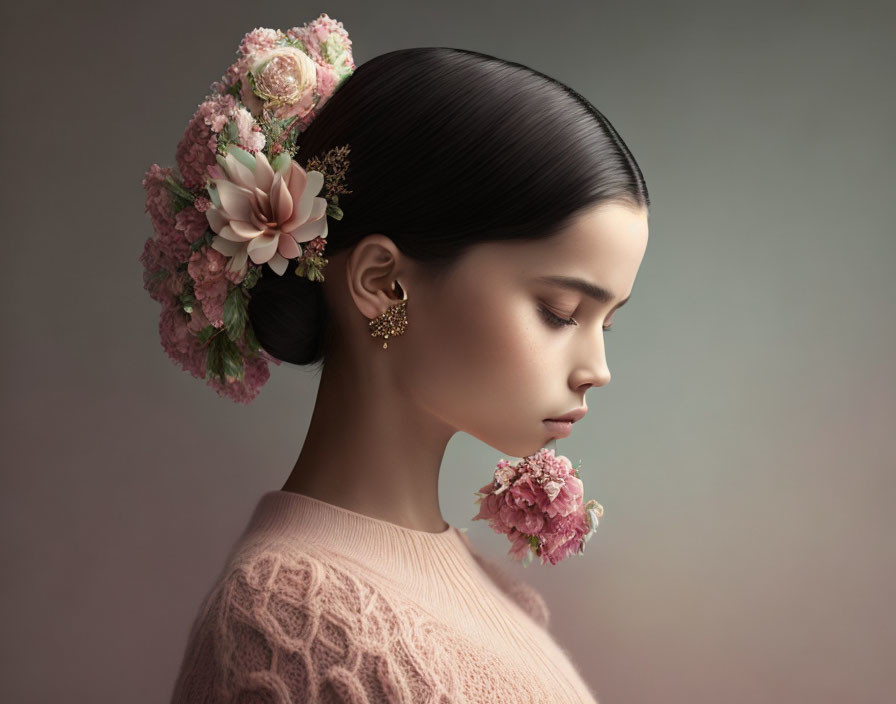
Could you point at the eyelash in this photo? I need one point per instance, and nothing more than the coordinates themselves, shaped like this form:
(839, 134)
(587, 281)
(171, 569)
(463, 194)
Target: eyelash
(558, 322)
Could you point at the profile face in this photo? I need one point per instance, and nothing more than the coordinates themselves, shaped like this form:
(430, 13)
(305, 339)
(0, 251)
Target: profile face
(501, 353)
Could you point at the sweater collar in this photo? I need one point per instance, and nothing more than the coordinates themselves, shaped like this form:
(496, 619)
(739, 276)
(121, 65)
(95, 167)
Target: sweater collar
(411, 557)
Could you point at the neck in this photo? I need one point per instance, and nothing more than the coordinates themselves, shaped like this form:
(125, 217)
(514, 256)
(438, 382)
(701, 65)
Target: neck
(369, 450)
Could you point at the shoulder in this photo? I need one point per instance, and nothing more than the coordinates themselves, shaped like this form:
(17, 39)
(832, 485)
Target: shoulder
(295, 624)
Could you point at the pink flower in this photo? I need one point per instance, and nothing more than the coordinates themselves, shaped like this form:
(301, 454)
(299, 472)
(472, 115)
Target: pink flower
(255, 376)
(259, 39)
(191, 223)
(327, 42)
(250, 134)
(158, 197)
(196, 149)
(538, 504)
(163, 253)
(179, 340)
(206, 268)
(262, 213)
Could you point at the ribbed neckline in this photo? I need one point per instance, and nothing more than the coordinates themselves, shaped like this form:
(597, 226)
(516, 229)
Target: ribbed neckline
(411, 557)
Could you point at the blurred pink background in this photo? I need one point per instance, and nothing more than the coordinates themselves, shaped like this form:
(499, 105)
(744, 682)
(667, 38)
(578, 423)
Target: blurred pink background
(744, 451)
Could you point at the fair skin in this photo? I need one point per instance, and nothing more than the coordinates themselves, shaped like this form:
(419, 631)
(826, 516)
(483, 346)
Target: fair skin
(478, 356)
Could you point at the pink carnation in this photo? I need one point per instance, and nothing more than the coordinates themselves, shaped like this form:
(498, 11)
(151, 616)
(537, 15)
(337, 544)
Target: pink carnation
(180, 342)
(164, 252)
(206, 268)
(191, 223)
(245, 391)
(259, 39)
(158, 197)
(251, 138)
(178, 330)
(160, 275)
(538, 504)
(196, 149)
(327, 42)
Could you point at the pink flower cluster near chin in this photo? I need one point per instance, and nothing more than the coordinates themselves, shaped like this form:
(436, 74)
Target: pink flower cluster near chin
(538, 504)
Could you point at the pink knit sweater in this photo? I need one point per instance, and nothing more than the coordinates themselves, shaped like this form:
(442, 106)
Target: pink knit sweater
(317, 603)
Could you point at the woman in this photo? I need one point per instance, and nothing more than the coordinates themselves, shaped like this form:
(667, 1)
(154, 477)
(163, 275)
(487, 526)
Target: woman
(503, 220)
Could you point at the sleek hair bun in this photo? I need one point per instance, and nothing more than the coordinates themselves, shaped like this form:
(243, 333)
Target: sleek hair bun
(287, 316)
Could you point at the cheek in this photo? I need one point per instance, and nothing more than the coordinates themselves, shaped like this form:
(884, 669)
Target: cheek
(485, 363)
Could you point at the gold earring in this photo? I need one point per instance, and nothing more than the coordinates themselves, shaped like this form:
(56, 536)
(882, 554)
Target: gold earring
(393, 321)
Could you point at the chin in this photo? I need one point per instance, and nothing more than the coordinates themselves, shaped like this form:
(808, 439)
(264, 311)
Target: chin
(517, 446)
(525, 450)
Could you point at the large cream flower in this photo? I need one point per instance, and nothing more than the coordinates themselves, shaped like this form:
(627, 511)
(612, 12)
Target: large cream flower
(264, 211)
(285, 81)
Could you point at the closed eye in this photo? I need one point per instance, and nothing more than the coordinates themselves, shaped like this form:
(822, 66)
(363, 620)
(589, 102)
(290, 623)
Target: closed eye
(558, 322)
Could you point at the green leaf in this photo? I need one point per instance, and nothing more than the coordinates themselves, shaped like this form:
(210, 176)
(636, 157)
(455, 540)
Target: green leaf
(177, 189)
(252, 341)
(334, 211)
(233, 132)
(224, 359)
(280, 162)
(252, 277)
(158, 276)
(235, 312)
(213, 194)
(206, 333)
(204, 241)
(244, 157)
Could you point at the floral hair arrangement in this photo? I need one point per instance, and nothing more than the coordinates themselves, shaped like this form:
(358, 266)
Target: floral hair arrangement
(538, 504)
(238, 200)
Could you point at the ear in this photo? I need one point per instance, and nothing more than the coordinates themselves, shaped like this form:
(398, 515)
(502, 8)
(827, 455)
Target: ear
(371, 267)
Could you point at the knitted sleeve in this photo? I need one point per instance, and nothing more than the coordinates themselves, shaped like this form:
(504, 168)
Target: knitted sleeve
(281, 628)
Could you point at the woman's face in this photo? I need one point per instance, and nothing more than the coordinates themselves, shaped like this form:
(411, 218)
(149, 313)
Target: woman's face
(496, 362)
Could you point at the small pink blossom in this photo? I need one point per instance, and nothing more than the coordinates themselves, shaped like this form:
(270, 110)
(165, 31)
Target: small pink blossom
(206, 268)
(179, 341)
(255, 376)
(191, 223)
(196, 149)
(259, 39)
(158, 197)
(250, 134)
(169, 247)
(327, 43)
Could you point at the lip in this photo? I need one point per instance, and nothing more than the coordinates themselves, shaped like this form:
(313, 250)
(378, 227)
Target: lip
(559, 428)
(572, 416)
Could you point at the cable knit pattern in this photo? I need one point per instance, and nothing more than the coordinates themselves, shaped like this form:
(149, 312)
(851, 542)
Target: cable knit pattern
(320, 604)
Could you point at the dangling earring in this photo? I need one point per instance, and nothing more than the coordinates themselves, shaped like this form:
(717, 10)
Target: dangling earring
(393, 321)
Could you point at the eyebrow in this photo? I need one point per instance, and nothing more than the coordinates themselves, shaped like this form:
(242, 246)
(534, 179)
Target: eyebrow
(596, 292)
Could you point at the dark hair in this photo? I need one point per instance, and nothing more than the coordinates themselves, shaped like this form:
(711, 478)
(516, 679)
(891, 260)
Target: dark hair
(448, 148)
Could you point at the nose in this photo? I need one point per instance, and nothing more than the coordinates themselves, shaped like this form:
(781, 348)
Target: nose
(591, 372)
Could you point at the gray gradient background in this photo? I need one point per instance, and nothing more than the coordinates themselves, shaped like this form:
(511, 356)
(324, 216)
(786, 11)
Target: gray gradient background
(743, 452)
